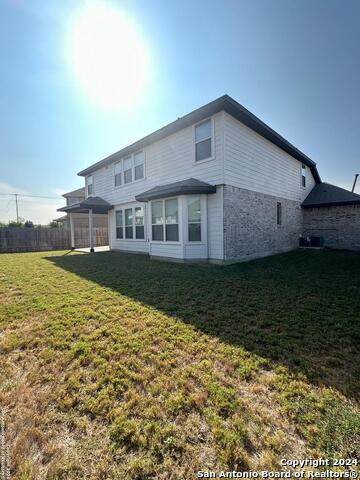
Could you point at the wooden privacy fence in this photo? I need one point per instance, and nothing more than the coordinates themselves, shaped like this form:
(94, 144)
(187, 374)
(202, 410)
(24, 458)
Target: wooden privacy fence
(14, 239)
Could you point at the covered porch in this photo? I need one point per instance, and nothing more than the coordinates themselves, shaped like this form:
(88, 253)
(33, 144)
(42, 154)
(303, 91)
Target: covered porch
(91, 206)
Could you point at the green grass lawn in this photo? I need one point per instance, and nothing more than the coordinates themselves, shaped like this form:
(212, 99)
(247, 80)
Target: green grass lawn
(114, 366)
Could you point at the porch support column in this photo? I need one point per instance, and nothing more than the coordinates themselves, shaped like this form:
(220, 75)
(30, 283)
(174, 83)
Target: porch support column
(72, 233)
(91, 231)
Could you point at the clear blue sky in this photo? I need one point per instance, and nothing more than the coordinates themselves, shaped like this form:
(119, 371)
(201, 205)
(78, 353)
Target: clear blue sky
(295, 64)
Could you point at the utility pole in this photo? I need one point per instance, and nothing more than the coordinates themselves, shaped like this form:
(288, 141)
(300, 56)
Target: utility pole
(356, 177)
(17, 207)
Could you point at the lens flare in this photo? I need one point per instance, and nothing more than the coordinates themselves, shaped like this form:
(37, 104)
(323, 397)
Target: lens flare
(107, 55)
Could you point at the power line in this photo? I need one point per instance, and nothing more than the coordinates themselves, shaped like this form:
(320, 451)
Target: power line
(33, 196)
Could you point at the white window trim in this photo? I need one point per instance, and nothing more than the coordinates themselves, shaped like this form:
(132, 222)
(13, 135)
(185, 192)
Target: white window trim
(301, 176)
(203, 205)
(121, 160)
(198, 162)
(132, 207)
(188, 241)
(87, 185)
(166, 242)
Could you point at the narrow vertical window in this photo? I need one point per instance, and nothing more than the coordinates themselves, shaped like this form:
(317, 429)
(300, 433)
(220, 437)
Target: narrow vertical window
(128, 170)
(129, 223)
(139, 223)
(203, 141)
(139, 165)
(171, 220)
(194, 219)
(157, 221)
(119, 224)
(90, 185)
(303, 176)
(278, 213)
(117, 173)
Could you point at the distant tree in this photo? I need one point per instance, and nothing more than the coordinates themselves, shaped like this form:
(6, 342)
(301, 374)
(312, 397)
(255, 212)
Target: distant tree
(14, 223)
(53, 224)
(29, 224)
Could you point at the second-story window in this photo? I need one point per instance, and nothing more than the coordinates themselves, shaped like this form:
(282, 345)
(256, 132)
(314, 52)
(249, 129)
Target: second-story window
(139, 165)
(90, 185)
(303, 176)
(128, 170)
(117, 174)
(203, 141)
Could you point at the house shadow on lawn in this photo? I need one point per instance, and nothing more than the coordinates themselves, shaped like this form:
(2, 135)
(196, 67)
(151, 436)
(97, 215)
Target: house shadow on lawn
(299, 309)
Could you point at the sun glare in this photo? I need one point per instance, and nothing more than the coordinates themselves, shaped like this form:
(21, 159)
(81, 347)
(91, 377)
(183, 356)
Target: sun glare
(107, 55)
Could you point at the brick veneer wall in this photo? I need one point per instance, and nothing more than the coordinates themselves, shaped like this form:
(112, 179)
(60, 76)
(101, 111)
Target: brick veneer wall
(339, 226)
(250, 228)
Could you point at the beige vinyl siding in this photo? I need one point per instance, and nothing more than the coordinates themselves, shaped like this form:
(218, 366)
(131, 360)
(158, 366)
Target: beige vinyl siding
(168, 160)
(215, 224)
(254, 163)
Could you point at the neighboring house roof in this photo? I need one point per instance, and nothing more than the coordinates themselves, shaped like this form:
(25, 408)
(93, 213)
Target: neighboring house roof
(191, 186)
(61, 219)
(230, 106)
(96, 204)
(80, 192)
(327, 195)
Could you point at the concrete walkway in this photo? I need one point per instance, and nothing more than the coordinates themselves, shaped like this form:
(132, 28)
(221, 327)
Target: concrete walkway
(97, 249)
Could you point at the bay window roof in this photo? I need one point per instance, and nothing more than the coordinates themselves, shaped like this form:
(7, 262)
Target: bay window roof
(191, 186)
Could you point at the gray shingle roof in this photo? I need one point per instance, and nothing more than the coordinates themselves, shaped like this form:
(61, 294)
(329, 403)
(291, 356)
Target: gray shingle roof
(190, 186)
(80, 192)
(327, 195)
(96, 204)
(233, 108)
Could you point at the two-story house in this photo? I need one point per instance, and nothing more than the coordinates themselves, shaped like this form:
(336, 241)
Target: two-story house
(215, 185)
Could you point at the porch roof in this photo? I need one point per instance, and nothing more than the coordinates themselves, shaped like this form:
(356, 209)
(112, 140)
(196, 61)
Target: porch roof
(96, 204)
(191, 186)
(327, 195)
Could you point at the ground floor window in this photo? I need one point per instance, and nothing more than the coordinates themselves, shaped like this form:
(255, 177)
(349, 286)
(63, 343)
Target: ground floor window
(119, 224)
(278, 213)
(132, 220)
(194, 219)
(165, 220)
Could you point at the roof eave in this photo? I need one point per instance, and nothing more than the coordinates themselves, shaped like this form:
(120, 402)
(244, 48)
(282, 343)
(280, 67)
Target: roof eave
(227, 104)
(331, 204)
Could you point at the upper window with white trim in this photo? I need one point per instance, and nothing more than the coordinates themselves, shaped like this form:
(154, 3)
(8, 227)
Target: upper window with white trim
(303, 176)
(203, 141)
(129, 169)
(139, 165)
(118, 173)
(90, 185)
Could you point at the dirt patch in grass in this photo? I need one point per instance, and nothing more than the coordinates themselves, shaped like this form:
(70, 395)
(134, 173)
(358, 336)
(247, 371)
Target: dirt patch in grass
(114, 366)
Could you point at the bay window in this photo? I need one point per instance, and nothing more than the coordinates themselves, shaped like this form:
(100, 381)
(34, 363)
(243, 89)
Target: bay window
(139, 223)
(119, 224)
(157, 221)
(129, 223)
(171, 220)
(165, 220)
(194, 219)
(203, 141)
